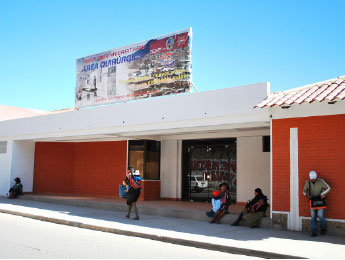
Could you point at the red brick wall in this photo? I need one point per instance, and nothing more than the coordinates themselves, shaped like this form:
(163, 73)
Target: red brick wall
(99, 167)
(281, 165)
(54, 168)
(151, 190)
(321, 145)
(89, 168)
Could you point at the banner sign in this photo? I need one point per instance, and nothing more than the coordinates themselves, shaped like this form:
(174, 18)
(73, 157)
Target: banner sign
(157, 67)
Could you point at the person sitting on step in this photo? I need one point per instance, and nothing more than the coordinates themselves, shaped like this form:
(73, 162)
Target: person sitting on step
(17, 189)
(254, 211)
(216, 196)
(225, 203)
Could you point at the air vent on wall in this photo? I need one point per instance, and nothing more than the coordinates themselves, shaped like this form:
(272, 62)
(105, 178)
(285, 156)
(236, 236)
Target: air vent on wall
(3, 147)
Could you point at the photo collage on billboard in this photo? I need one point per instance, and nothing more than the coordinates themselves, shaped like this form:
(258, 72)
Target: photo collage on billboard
(157, 67)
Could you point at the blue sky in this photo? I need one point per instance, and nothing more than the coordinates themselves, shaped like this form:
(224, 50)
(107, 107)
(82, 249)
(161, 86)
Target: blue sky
(288, 43)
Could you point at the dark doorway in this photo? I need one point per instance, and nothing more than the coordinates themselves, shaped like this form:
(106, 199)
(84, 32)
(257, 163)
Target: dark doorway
(206, 164)
(144, 155)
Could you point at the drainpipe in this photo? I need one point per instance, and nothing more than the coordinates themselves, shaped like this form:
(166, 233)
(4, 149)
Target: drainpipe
(271, 165)
(127, 156)
(178, 168)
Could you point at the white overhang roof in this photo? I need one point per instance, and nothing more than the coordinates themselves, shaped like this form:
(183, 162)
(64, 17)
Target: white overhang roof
(216, 110)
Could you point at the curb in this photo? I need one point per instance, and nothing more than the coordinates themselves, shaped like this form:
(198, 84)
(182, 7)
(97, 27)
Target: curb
(177, 241)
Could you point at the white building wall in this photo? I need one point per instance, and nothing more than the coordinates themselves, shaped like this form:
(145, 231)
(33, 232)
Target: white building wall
(253, 168)
(170, 174)
(212, 109)
(5, 169)
(23, 163)
(196, 114)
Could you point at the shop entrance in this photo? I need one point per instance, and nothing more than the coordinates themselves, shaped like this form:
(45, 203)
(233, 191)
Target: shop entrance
(144, 155)
(205, 165)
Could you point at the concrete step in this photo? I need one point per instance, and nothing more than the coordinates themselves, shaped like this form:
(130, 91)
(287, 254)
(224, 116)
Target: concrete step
(146, 209)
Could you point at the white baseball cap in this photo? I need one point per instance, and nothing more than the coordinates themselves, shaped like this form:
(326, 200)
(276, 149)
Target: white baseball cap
(312, 175)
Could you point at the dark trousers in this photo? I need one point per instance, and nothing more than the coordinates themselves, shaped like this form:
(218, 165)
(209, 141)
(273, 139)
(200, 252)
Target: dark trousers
(133, 196)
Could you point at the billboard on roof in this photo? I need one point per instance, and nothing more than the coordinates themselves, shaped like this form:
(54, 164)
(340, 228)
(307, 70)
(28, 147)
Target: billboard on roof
(156, 67)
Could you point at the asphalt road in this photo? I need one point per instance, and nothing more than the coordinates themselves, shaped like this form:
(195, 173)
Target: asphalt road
(27, 238)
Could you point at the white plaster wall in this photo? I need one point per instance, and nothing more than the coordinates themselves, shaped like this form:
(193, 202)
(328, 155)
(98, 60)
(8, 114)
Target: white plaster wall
(170, 173)
(210, 108)
(253, 168)
(5, 169)
(23, 163)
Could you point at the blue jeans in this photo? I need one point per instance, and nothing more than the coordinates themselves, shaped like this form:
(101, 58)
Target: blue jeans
(314, 214)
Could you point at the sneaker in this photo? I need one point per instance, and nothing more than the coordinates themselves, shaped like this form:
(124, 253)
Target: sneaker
(136, 218)
(127, 216)
(209, 214)
(313, 235)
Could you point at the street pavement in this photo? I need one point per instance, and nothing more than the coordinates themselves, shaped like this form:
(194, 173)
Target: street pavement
(29, 238)
(268, 243)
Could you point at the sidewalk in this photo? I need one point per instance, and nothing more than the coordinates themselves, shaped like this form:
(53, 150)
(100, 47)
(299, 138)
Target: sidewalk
(164, 208)
(267, 243)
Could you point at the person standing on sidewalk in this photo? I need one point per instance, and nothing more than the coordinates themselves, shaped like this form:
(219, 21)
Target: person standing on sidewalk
(316, 189)
(133, 181)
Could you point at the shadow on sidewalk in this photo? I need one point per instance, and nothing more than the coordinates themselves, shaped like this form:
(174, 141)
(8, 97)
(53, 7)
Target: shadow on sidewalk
(191, 227)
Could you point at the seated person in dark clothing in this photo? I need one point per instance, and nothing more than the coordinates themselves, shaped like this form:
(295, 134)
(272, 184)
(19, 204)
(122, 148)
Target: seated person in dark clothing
(17, 189)
(254, 211)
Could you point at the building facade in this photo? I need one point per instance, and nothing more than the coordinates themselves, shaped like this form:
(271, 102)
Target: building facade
(183, 145)
(308, 133)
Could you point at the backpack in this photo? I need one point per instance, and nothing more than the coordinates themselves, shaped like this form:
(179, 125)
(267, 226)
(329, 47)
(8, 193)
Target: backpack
(260, 204)
(135, 182)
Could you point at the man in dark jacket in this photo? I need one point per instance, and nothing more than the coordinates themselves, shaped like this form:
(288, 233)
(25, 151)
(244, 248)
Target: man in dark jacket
(254, 211)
